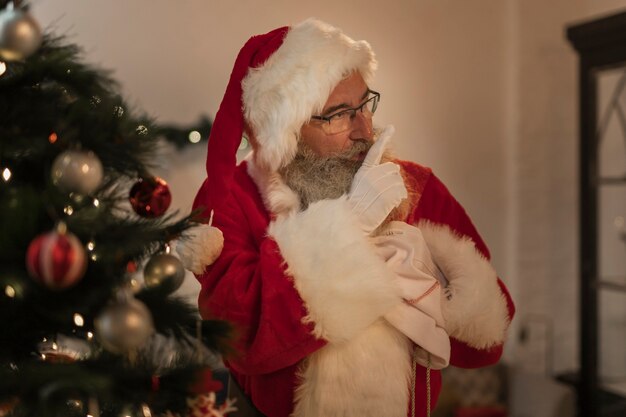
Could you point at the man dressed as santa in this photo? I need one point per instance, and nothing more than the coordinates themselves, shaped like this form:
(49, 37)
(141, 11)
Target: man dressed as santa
(352, 277)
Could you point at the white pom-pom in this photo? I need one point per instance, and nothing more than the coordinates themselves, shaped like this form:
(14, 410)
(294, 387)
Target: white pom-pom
(201, 248)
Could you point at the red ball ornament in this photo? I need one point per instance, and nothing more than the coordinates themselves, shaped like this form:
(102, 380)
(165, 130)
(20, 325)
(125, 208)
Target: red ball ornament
(150, 197)
(56, 259)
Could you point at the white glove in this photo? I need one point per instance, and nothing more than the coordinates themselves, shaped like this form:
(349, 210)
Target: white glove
(377, 188)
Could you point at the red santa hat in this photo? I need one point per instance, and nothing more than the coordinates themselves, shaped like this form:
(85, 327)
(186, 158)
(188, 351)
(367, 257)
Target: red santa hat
(280, 79)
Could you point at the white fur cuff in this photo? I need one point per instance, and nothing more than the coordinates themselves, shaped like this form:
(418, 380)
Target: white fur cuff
(474, 308)
(344, 285)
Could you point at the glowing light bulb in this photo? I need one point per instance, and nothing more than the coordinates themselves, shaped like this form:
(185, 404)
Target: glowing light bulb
(6, 174)
(78, 320)
(194, 136)
(9, 291)
(3, 67)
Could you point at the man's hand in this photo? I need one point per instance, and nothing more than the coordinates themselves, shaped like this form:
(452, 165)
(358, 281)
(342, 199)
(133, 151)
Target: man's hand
(377, 188)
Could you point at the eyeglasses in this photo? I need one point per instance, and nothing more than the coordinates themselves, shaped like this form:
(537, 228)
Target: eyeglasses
(342, 120)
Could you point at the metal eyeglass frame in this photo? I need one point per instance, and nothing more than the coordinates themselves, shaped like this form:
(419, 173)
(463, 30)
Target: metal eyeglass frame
(353, 110)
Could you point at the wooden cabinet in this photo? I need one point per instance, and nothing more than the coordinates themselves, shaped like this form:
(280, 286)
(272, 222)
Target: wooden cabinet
(601, 379)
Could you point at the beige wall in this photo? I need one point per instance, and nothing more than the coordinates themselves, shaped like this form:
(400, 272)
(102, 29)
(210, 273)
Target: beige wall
(442, 76)
(483, 91)
(441, 72)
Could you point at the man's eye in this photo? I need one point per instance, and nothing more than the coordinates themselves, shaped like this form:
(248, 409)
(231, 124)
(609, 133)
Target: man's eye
(339, 116)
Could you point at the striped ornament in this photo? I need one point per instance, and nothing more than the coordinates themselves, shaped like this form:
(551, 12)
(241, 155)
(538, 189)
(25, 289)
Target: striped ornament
(56, 260)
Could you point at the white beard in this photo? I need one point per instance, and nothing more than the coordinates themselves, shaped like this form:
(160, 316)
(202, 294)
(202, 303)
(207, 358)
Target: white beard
(316, 178)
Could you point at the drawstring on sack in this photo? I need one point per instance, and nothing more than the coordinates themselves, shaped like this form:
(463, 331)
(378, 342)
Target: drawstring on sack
(413, 378)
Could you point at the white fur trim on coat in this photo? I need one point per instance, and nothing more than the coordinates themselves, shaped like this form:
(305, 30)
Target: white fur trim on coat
(344, 285)
(295, 81)
(368, 376)
(474, 308)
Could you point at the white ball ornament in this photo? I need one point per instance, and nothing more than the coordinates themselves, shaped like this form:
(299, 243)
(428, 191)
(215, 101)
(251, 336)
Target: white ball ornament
(77, 171)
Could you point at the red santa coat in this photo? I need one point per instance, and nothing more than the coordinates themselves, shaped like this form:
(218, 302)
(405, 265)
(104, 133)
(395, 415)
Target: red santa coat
(306, 295)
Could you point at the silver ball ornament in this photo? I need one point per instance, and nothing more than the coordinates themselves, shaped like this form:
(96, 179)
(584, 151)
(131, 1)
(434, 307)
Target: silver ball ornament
(20, 34)
(164, 270)
(124, 326)
(77, 171)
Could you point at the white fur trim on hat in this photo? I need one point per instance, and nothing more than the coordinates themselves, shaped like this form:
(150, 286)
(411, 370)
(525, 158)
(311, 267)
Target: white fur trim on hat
(475, 309)
(295, 81)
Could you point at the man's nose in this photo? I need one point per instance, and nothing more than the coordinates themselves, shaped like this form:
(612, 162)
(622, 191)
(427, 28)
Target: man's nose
(361, 127)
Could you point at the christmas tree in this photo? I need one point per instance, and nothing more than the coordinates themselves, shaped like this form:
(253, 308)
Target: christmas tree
(81, 220)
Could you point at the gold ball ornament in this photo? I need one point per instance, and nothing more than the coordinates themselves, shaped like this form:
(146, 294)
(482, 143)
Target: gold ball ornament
(164, 270)
(20, 34)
